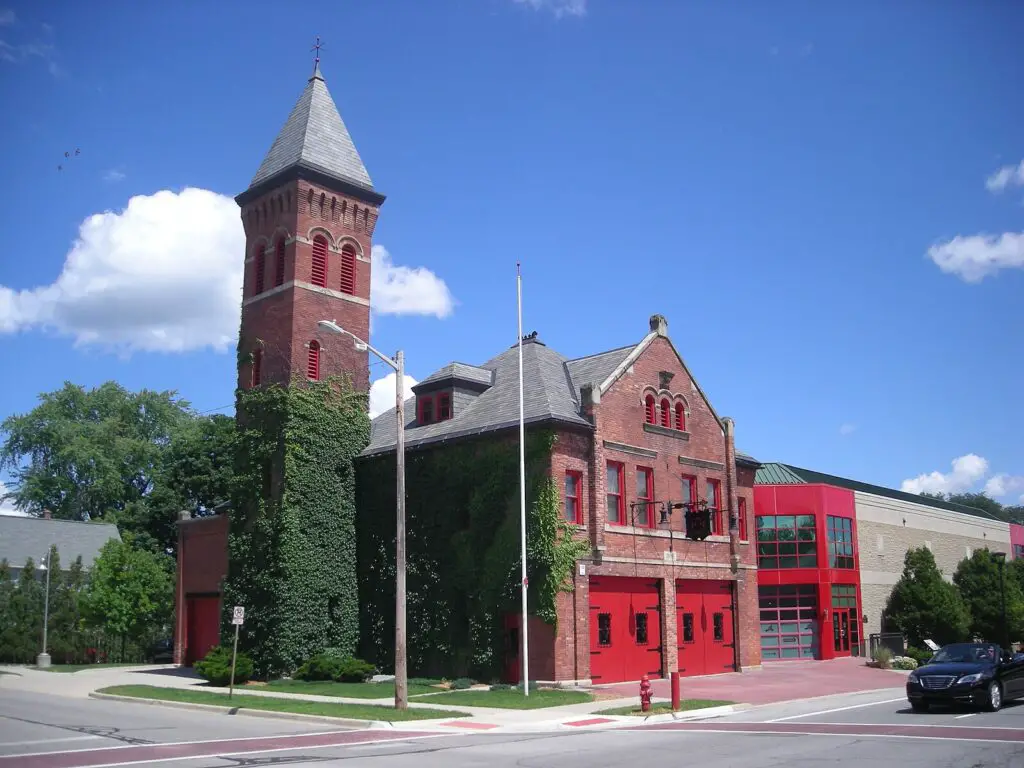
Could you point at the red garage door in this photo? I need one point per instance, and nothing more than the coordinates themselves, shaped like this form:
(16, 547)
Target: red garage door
(704, 630)
(203, 629)
(625, 629)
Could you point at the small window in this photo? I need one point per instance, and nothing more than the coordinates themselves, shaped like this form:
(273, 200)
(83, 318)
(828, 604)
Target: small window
(279, 263)
(649, 410)
(444, 406)
(426, 409)
(718, 626)
(680, 417)
(613, 494)
(715, 506)
(741, 513)
(257, 367)
(573, 511)
(687, 627)
(604, 629)
(666, 413)
(313, 361)
(261, 267)
(348, 269)
(641, 628)
(318, 271)
(644, 497)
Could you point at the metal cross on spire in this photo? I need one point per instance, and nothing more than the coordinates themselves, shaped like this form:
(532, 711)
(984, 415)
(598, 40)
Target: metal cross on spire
(316, 47)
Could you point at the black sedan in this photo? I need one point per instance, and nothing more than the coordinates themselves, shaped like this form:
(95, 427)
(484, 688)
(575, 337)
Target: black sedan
(980, 674)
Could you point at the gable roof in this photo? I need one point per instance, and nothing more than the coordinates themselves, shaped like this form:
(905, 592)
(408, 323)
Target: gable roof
(315, 137)
(459, 372)
(776, 473)
(24, 537)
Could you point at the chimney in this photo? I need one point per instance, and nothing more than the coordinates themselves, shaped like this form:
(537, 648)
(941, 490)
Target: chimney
(659, 325)
(47, 514)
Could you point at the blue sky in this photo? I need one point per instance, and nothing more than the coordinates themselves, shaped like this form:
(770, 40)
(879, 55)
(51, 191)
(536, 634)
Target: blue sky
(785, 183)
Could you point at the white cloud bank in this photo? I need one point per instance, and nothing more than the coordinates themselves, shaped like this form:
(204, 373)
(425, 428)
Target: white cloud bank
(165, 275)
(967, 473)
(559, 8)
(1007, 176)
(382, 393)
(7, 507)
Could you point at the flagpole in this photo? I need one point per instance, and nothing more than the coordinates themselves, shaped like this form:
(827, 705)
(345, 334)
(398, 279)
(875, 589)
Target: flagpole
(522, 487)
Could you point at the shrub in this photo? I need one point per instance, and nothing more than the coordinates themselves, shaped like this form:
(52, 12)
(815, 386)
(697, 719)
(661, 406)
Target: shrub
(503, 687)
(216, 667)
(323, 666)
(424, 681)
(883, 657)
(462, 683)
(353, 670)
(904, 662)
(921, 656)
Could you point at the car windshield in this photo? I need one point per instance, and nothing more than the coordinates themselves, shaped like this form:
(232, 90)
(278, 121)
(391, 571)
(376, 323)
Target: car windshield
(967, 653)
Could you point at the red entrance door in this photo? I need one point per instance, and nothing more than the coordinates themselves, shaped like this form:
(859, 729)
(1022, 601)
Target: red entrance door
(203, 627)
(704, 627)
(625, 629)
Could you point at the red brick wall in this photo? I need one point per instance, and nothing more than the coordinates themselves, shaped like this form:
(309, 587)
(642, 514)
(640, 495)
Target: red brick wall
(202, 566)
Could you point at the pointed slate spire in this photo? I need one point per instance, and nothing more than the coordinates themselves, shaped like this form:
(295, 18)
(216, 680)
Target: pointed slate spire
(315, 138)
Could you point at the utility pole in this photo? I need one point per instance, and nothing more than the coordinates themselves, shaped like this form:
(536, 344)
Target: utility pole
(43, 659)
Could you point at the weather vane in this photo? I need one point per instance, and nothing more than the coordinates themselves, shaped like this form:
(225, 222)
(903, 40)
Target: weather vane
(316, 47)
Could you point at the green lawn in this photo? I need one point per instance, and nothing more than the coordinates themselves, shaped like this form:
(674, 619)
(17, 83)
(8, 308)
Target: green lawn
(509, 699)
(80, 667)
(350, 690)
(664, 709)
(268, 703)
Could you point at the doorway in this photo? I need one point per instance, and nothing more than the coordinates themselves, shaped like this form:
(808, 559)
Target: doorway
(841, 631)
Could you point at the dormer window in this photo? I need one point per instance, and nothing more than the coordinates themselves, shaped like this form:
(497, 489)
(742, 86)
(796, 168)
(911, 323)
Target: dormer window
(444, 406)
(426, 409)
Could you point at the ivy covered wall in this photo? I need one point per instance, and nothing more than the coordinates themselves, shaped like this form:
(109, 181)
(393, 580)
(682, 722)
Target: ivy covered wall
(462, 551)
(291, 544)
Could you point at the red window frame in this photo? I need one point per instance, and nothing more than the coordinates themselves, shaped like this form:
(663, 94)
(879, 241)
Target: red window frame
(261, 269)
(318, 268)
(573, 508)
(666, 412)
(444, 406)
(425, 409)
(644, 492)
(257, 367)
(618, 498)
(680, 417)
(279, 263)
(649, 412)
(714, 495)
(313, 361)
(348, 269)
(741, 514)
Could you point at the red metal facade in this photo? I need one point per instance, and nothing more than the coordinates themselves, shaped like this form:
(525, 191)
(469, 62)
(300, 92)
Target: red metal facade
(824, 587)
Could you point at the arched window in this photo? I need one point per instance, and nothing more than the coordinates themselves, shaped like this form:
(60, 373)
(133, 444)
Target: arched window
(649, 410)
(261, 268)
(279, 263)
(318, 275)
(680, 417)
(257, 367)
(666, 413)
(313, 361)
(348, 269)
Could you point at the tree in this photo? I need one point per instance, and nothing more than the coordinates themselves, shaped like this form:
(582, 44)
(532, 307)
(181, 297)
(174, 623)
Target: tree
(67, 641)
(923, 605)
(21, 629)
(1015, 514)
(979, 501)
(978, 579)
(130, 593)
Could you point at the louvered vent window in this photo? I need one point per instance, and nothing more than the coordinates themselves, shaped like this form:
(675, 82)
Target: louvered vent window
(319, 270)
(348, 269)
(313, 361)
(279, 264)
(261, 268)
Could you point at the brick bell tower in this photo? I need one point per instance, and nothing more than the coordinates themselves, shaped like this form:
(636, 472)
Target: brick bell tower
(309, 215)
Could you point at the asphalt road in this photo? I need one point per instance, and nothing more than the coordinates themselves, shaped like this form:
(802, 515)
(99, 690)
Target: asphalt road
(850, 731)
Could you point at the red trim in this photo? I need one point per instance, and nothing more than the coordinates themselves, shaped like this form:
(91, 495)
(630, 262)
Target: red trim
(649, 416)
(573, 509)
(666, 412)
(680, 417)
(318, 271)
(444, 406)
(257, 366)
(279, 263)
(714, 493)
(261, 268)
(618, 499)
(348, 269)
(741, 513)
(313, 361)
(425, 414)
(644, 492)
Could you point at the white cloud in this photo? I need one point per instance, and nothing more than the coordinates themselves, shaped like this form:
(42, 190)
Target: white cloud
(1007, 176)
(967, 471)
(1003, 484)
(847, 429)
(558, 7)
(165, 275)
(976, 257)
(113, 175)
(7, 507)
(406, 290)
(382, 393)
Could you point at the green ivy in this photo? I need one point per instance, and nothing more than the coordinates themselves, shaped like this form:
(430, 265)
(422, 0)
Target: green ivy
(462, 552)
(291, 546)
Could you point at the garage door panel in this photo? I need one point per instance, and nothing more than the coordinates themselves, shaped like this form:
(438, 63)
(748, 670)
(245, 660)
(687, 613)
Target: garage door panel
(704, 627)
(625, 629)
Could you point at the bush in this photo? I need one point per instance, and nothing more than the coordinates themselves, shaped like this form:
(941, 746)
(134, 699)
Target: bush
(353, 670)
(216, 667)
(904, 662)
(921, 656)
(333, 665)
(424, 681)
(462, 683)
(883, 657)
(503, 687)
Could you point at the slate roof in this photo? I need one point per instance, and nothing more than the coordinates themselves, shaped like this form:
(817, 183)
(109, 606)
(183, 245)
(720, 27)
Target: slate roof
(315, 137)
(594, 369)
(460, 371)
(24, 537)
(776, 473)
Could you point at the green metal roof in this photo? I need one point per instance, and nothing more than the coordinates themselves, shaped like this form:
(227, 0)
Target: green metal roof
(776, 473)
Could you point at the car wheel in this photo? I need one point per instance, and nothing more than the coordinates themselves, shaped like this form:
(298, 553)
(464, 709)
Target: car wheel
(995, 697)
(919, 706)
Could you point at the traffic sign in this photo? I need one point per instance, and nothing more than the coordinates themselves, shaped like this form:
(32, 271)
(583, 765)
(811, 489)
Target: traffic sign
(238, 615)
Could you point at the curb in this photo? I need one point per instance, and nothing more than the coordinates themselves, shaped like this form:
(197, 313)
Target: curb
(348, 722)
(669, 717)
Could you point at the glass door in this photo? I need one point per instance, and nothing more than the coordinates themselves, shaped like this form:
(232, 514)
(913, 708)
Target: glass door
(841, 630)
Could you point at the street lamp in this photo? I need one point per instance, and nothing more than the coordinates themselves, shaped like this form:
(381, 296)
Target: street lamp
(1001, 557)
(398, 364)
(43, 659)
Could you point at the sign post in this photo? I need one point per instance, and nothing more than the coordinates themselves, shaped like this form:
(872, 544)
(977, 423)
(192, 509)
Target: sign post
(237, 618)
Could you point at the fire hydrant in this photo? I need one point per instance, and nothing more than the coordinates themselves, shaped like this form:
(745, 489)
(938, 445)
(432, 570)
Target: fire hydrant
(645, 694)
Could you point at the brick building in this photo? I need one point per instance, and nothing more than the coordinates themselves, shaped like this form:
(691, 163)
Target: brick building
(632, 426)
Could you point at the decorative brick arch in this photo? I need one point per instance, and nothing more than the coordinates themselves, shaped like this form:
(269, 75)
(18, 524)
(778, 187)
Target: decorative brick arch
(280, 233)
(318, 230)
(348, 240)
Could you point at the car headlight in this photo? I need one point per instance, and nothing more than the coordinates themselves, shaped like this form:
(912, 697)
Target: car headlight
(913, 677)
(976, 677)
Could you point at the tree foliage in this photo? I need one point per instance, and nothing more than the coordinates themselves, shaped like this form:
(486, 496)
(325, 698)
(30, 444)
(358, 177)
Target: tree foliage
(923, 605)
(982, 501)
(981, 579)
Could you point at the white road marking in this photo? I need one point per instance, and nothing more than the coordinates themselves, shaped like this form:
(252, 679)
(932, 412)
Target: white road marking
(46, 741)
(969, 714)
(826, 735)
(837, 709)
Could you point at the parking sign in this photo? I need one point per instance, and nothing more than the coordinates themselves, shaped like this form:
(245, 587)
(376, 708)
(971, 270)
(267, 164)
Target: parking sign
(238, 616)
